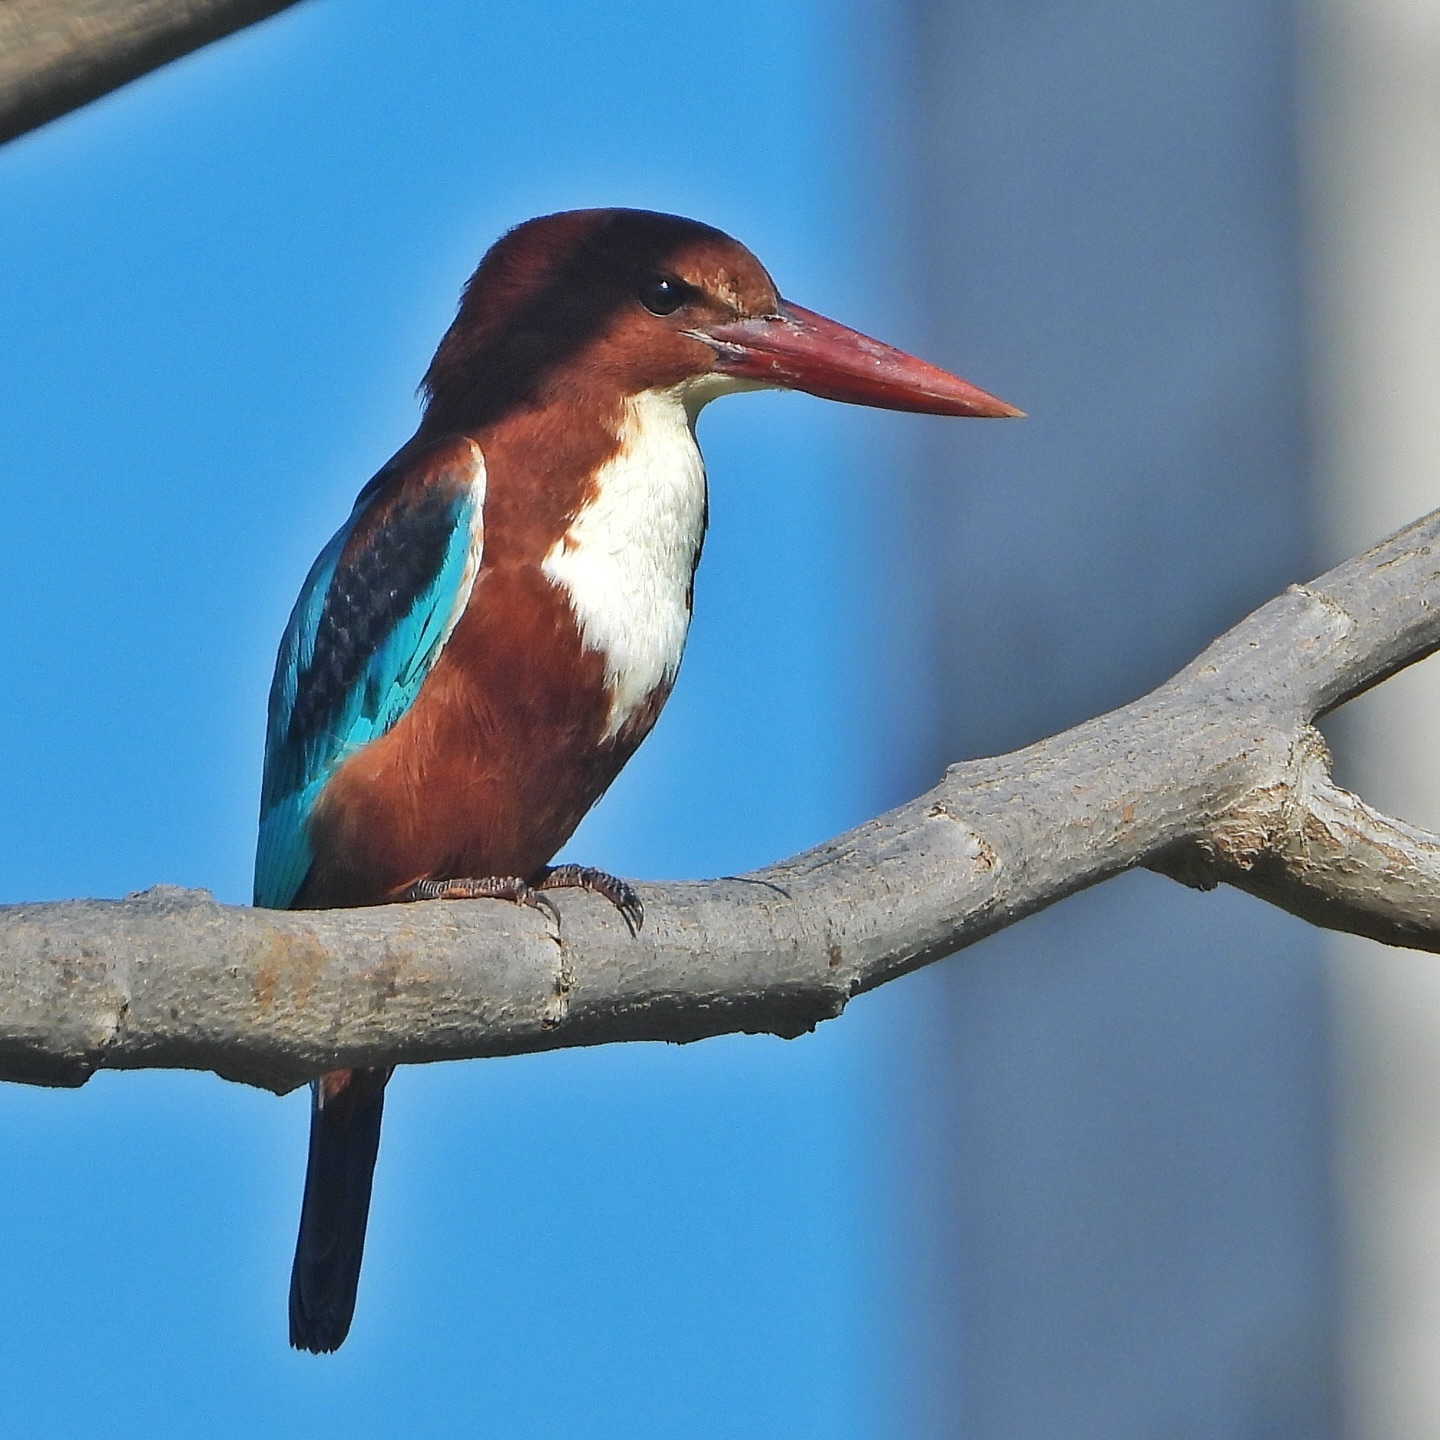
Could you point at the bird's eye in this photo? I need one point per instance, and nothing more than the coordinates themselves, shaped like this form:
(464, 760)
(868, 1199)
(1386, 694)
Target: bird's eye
(663, 294)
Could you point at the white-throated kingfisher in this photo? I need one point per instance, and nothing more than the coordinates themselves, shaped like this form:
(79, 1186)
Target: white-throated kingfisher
(495, 628)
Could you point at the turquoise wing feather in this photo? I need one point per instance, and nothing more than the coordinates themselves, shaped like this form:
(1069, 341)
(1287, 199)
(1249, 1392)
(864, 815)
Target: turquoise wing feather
(373, 615)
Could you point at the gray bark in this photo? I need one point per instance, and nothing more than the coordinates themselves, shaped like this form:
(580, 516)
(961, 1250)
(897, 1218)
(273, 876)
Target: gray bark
(56, 55)
(1216, 776)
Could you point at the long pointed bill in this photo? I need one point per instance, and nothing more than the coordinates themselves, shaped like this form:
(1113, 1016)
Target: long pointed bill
(800, 350)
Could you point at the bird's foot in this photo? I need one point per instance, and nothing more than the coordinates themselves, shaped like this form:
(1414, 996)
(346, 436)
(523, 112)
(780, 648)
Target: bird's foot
(618, 892)
(489, 887)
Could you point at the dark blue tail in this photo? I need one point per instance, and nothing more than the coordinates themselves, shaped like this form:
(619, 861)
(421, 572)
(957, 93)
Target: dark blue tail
(344, 1141)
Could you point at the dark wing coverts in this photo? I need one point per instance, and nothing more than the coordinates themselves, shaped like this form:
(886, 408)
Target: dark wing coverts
(375, 611)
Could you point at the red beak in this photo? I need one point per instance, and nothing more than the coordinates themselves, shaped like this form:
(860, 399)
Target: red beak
(800, 350)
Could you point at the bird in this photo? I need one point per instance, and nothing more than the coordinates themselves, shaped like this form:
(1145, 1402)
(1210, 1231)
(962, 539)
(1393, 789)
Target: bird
(494, 629)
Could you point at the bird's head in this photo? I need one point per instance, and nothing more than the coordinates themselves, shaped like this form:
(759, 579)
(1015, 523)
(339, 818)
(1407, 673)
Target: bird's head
(595, 303)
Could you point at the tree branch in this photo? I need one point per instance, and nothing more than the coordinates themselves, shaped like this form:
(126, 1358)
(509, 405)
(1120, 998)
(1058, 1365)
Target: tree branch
(1216, 776)
(56, 55)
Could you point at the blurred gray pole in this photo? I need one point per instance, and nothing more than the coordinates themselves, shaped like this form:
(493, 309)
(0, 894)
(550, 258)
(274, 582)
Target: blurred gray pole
(1120, 1130)
(1375, 100)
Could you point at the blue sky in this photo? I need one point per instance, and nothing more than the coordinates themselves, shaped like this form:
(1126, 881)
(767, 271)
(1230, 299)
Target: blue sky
(218, 290)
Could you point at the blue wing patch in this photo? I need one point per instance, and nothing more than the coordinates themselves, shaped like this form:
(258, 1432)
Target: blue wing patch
(373, 615)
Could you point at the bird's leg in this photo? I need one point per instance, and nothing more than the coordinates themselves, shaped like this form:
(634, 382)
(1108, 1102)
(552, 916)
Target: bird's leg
(491, 887)
(586, 877)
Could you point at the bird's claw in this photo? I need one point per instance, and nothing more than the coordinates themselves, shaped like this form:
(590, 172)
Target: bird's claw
(620, 893)
(489, 887)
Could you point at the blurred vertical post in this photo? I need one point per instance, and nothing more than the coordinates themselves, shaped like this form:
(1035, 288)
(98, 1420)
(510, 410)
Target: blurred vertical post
(1374, 103)
(1119, 1123)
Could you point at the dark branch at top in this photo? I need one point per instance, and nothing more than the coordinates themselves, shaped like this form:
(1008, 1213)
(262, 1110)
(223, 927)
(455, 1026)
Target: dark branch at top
(56, 55)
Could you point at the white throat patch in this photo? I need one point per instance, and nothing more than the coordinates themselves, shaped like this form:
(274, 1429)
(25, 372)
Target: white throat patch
(628, 558)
